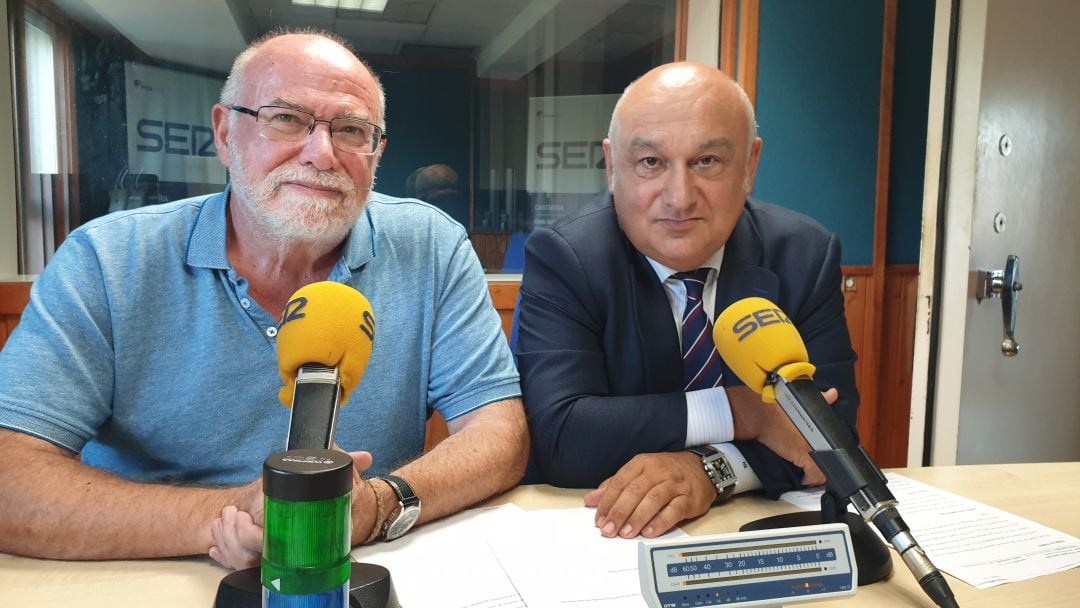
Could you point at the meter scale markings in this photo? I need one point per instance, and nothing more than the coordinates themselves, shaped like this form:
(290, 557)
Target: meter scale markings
(749, 562)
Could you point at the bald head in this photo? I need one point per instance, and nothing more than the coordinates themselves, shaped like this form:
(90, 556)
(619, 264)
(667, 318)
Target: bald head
(674, 82)
(288, 48)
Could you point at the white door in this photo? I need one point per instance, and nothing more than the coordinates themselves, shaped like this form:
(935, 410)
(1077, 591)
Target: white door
(1013, 190)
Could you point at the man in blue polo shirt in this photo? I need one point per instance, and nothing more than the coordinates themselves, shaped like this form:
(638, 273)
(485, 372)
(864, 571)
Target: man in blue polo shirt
(138, 396)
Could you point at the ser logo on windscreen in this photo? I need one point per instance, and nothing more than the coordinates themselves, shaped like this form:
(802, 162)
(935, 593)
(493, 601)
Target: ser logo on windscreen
(750, 323)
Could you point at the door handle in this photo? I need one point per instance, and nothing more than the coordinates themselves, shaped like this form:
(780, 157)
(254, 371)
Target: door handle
(1004, 284)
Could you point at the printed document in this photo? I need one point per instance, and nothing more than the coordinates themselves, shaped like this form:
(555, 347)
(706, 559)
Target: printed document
(557, 559)
(505, 557)
(447, 563)
(973, 542)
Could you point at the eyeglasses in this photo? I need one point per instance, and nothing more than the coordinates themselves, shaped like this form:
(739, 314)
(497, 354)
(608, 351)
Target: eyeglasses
(287, 124)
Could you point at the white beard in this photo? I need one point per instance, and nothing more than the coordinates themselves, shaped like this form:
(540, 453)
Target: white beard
(297, 218)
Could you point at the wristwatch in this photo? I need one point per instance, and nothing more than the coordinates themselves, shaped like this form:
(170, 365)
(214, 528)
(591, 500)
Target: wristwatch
(404, 517)
(719, 470)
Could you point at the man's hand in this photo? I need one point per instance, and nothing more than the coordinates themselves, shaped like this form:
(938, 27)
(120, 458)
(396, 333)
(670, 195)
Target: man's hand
(238, 533)
(364, 502)
(651, 494)
(238, 540)
(767, 423)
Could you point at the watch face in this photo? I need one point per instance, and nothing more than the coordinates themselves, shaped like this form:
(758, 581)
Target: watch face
(402, 524)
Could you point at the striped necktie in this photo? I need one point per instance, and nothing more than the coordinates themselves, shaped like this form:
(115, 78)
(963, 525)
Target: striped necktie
(701, 362)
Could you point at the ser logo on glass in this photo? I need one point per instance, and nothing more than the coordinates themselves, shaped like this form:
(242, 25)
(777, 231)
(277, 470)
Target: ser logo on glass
(176, 138)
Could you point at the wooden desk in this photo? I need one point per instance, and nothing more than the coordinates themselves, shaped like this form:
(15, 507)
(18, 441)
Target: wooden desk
(1045, 493)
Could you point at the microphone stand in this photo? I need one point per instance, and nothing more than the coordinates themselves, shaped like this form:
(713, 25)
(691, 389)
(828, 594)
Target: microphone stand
(370, 586)
(871, 554)
(312, 424)
(307, 545)
(852, 476)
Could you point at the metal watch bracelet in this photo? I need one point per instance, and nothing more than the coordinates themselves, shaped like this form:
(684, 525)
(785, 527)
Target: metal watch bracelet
(719, 470)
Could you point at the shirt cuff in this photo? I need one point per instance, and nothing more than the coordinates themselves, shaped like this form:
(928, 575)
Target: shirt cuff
(745, 477)
(708, 417)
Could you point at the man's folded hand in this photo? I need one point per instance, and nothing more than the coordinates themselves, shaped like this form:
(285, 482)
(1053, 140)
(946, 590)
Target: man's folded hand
(767, 423)
(651, 494)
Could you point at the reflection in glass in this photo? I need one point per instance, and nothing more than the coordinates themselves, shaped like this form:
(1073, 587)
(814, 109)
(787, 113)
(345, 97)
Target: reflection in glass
(496, 110)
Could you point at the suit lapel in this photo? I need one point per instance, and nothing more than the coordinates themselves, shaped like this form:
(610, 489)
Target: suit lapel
(742, 275)
(659, 345)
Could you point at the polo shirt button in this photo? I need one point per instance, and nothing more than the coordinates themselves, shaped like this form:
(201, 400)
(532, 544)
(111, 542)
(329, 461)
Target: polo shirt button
(271, 332)
(246, 303)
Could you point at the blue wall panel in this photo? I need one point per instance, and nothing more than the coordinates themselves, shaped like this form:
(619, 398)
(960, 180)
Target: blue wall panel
(818, 88)
(911, 91)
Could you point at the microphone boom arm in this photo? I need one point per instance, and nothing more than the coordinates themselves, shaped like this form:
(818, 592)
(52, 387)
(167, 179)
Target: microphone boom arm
(851, 474)
(313, 417)
(848, 469)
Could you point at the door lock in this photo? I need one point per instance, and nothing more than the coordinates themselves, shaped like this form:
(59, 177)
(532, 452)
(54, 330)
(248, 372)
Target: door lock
(1004, 284)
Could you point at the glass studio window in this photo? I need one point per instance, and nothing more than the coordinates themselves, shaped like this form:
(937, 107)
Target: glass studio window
(495, 109)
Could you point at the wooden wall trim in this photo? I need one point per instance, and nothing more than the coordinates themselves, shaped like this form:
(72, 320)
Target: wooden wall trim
(20, 122)
(729, 28)
(749, 11)
(682, 19)
(504, 293)
(504, 296)
(874, 319)
(901, 270)
(894, 377)
(13, 297)
(857, 270)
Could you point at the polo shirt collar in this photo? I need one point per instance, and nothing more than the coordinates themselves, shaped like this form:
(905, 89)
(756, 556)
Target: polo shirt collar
(359, 247)
(206, 245)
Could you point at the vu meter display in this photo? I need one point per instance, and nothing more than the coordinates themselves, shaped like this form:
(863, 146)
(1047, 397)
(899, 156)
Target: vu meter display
(761, 568)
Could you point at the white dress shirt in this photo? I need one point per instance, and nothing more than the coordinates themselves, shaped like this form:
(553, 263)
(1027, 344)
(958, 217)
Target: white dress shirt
(708, 411)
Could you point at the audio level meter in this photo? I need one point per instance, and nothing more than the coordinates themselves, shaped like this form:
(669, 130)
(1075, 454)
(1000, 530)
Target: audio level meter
(758, 568)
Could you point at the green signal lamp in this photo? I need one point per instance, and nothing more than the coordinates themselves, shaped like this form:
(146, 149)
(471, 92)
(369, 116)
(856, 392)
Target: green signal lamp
(307, 535)
(307, 529)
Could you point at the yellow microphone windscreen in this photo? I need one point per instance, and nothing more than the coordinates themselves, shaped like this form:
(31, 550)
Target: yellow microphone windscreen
(326, 323)
(755, 338)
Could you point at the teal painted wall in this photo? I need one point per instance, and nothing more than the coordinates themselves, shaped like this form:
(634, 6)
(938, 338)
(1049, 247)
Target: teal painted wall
(911, 91)
(818, 86)
(818, 91)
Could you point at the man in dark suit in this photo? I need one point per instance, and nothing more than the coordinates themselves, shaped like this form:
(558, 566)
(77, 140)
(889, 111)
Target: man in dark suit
(622, 384)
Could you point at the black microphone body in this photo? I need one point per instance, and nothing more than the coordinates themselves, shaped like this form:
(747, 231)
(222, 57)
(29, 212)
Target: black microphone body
(852, 475)
(316, 398)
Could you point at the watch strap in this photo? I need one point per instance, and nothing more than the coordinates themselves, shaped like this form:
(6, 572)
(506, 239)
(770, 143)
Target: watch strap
(407, 501)
(404, 491)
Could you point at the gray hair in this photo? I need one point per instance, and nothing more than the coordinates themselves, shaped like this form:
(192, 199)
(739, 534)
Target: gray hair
(230, 92)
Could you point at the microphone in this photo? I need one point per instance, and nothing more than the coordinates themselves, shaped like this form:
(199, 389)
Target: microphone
(324, 343)
(761, 345)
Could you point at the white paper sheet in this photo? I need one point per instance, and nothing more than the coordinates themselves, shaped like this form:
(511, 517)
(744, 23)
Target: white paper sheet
(557, 558)
(448, 563)
(973, 542)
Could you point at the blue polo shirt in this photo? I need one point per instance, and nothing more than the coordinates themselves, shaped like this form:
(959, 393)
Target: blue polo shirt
(142, 349)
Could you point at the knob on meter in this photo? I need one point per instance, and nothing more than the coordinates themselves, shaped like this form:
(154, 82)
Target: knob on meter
(759, 568)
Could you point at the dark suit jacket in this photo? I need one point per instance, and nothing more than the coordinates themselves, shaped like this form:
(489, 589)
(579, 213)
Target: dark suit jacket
(599, 353)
